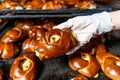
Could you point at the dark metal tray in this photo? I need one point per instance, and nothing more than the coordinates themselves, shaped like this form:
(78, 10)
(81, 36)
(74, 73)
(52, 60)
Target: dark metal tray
(49, 13)
(57, 68)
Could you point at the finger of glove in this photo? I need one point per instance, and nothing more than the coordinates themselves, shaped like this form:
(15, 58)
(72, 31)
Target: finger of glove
(67, 24)
(80, 22)
(70, 23)
(83, 39)
(84, 35)
(75, 23)
(73, 50)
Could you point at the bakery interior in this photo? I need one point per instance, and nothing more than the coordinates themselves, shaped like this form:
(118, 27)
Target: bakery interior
(26, 30)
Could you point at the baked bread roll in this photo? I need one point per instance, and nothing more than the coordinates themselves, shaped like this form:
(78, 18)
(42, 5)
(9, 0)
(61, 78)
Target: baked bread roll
(39, 28)
(8, 50)
(53, 5)
(22, 2)
(79, 77)
(109, 62)
(70, 2)
(24, 24)
(29, 45)
(84, 63)
(55, 43)
(24, 67)
(85, 4)
(13, 35)
(36, 33)
(10, 5)
(34, 4)
(48, 26)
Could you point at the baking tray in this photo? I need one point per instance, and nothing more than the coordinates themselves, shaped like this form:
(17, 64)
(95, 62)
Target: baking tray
(57, 68)
(50, 13)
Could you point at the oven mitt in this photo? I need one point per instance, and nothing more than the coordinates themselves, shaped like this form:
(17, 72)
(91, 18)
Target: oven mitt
(86, 27)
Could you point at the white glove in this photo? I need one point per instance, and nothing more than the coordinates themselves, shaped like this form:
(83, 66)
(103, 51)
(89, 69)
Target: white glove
(85, 27)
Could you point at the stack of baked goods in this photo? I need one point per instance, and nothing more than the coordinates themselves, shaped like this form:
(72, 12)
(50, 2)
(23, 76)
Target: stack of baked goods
(47, 4)
(89, 64)
(41, 42)
(8, 47)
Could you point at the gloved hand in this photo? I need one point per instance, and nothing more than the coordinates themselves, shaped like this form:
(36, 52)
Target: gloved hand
(85, 27)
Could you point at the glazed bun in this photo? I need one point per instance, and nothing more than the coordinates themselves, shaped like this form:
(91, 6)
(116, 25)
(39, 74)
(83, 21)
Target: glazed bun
(12, 5)
(48, 26)
(24, 24)
(71, 2)
(85, 4)
(29, 45)
(79, 77)
(34, 4)
(55, 43)
(13, 35)
(24, 67)
(84, 63)
(8, 50)
(53, 5)
(36, 33)
(110, 63)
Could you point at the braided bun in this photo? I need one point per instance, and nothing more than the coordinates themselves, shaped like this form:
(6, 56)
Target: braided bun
(109, 62)
(84, 63)
(24, 67)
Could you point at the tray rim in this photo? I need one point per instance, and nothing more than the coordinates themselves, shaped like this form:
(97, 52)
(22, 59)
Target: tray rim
(50, 13)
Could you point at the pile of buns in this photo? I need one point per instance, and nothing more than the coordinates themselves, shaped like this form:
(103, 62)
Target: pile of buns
(47, 4)
(40, 42)
(88, 63)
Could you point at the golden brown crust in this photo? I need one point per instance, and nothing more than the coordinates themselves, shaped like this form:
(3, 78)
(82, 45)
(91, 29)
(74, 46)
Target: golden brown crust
(109, 62)
(10, 5)
(36, 33)
(13, 35)
(24, 67)
(1, 74)
(54, 43)
(22, 2)
(87, 4)
(48, 26)
(84, 63)
(34, 4)
(79, 77)
(52, 49)
(71, 2)
(8, 50)
(29, 45)
(24, 24)
(53, 5)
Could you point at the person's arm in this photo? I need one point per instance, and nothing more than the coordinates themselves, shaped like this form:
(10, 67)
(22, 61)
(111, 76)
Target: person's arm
(115, 17)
